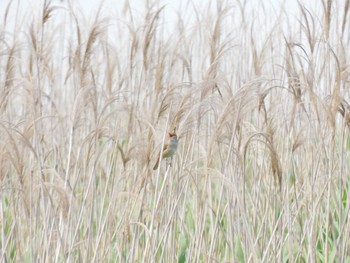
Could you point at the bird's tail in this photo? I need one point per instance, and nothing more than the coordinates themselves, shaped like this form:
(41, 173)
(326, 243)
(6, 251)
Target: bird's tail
(156, 164)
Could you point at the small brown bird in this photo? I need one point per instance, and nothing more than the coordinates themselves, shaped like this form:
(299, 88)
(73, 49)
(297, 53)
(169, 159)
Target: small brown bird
(169, 148)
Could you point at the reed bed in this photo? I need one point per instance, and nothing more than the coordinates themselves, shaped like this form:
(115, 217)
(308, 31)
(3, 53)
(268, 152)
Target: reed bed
(259, 100)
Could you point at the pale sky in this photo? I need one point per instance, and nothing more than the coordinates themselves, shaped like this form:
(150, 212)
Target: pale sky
(266, 10)
(89, 7)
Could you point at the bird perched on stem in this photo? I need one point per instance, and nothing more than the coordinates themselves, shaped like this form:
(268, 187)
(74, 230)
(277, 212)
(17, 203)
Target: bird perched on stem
(169, 148)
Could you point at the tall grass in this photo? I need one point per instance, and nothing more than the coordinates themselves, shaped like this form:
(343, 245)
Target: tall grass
(260, 102)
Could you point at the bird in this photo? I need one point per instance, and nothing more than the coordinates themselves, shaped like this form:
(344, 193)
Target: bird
(169, 148)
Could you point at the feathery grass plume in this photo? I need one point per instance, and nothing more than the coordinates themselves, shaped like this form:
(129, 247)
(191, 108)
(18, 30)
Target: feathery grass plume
(327, 8)
(178, 115)
(274, 160)
(48, 9)
(308, 27)
(150, 31)
(335, 99)
(344, 110)
(166, 102)
(7, 11)
(159, 74)
(294, 83)
(16, 151)
(215, 39)
(74, 53)
(239, 105)
(10, 75)
(345, 14)
(134, 47)
(95, 32)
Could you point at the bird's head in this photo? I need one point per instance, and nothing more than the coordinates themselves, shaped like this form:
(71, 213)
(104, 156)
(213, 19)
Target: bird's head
(172, 135)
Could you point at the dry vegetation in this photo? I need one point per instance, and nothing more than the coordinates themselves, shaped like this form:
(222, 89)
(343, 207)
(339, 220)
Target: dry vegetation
(260, 102)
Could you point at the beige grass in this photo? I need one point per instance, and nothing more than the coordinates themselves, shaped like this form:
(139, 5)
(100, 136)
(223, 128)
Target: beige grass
(260, 102)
